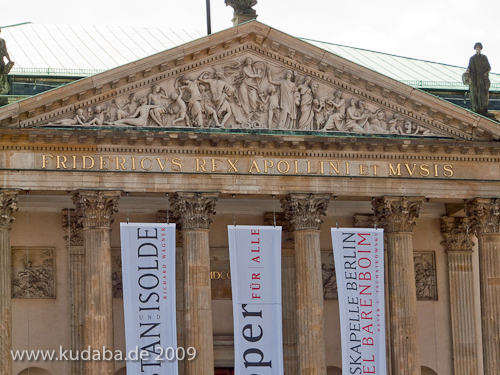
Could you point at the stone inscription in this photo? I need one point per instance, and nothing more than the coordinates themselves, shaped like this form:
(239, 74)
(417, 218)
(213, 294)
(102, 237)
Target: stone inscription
(269, 166)
(33, 272)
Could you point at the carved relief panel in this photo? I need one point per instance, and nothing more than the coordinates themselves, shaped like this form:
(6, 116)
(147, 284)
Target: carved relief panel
(245, 93)
(33, 272)
(329, 277)
(116, 273)
(425, 275)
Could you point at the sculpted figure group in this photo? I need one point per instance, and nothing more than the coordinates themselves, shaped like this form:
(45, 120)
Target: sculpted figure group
(246, 94)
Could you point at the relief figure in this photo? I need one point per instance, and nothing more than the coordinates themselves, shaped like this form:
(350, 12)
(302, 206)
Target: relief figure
(288, 104)
(221, 91)
(155, 98)
(139, 117)
(195, 106)
(306, 98)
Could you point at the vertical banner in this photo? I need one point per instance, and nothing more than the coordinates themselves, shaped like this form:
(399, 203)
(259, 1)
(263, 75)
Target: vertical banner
(255, 256)
(148, 269)
(359, 267)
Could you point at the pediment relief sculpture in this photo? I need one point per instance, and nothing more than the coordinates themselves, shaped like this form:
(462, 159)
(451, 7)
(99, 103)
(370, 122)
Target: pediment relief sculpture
(245, 93)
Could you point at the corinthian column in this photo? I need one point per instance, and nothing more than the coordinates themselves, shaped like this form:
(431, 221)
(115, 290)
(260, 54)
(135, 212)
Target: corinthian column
(485, 214)
(397, 216)
(95, 211)
(459, 245)
(303, 211)
(193, 211)
(8, 204)
(74, 238)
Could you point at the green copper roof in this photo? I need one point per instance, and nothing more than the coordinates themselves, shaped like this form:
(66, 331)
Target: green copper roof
(80, 51)
(413, 72)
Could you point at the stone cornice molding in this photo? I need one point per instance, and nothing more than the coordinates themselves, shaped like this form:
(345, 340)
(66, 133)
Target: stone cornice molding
(95, 209)
(193, 210)
(457, 234)
(158, 141)
(304, 211)
(8, 205)
(485, 215)
(72, 227)
(397, 214)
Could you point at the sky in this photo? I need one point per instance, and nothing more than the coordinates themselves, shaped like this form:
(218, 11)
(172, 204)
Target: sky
(443, 31)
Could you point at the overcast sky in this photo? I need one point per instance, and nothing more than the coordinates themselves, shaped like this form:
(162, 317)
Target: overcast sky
(443, 31)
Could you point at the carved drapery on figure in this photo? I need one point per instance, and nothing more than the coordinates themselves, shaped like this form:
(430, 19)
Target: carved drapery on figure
(304, 211)
(95, 209)
(193, 209)
(245, 93)
(478, 81)
(425, 275)
(397, 214)
(485, 215)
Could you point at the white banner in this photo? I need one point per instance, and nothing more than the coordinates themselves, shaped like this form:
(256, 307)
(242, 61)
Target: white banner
(148, 269)
(255, 256)
(359, 267)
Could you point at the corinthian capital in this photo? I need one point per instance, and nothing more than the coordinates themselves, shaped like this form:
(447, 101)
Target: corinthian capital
(8, 205)
(95, 209)
(485, 215)
(457, 233)
(193, 209)
(397, 214)
(304, 211)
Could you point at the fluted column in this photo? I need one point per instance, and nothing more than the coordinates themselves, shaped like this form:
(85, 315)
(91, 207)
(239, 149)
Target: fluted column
(458, 244)
(8, 204)
(397, 216)
(95, 211)
(193, 211)
(289, 313)
(485, 214)
(304, 211)
(74, 238)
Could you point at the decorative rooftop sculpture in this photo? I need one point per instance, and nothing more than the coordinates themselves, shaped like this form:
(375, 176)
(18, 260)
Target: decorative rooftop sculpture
(4, 68)
(477, 77)
(243, 11)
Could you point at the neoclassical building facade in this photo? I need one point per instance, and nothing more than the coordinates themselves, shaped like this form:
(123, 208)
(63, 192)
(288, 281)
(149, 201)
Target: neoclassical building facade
(249, 126)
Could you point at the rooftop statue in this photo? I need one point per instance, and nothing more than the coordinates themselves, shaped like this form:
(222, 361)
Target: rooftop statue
(476, 76)
(243, 11)
(4, 68)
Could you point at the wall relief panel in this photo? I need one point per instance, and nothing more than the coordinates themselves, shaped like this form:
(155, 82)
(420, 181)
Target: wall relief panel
(329, 277)
(33, 272)
(425, 275)
(116, 273)
(248, 92)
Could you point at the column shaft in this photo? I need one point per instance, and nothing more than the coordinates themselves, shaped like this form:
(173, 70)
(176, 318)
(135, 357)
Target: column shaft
(198, 301)
(290, 360)
(489, 276)
(193, 211)
(95, 210)
(458, 244)
(99, 299)
(8, 204)
(397, 216)
(303, 212)
(5, 302)
(462, 313)
(485, 215)
(77, 296)
(309, 294)
(402, 294)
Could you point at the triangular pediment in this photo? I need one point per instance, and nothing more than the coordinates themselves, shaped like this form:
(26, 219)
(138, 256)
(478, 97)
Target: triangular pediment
(249, 77)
